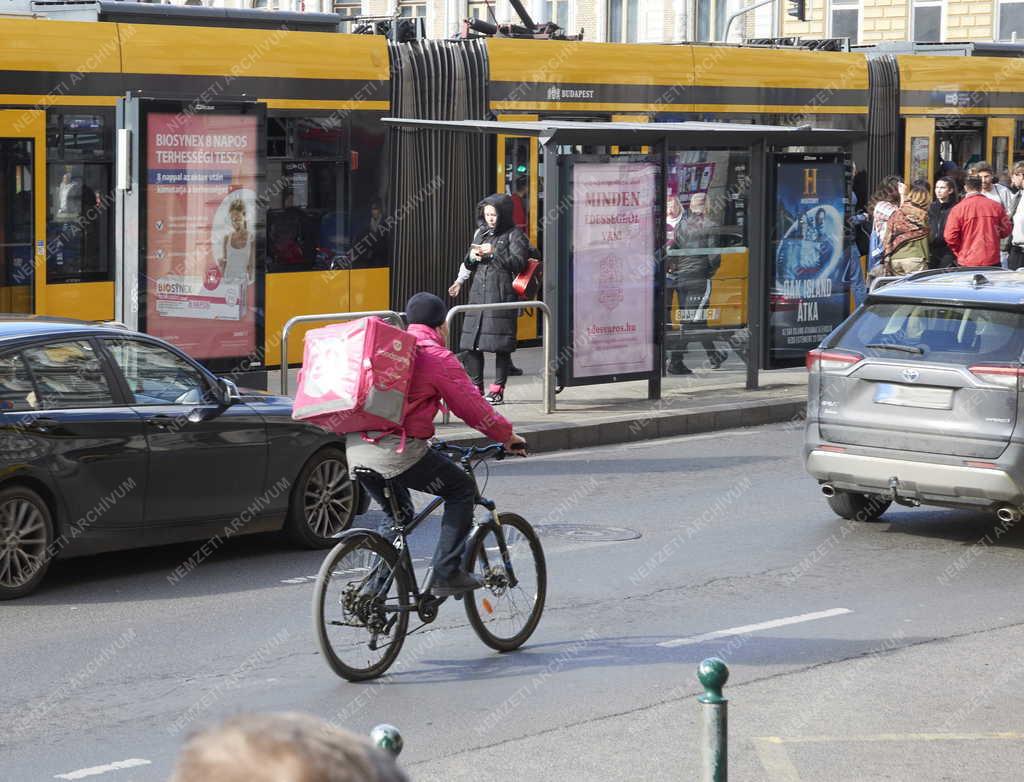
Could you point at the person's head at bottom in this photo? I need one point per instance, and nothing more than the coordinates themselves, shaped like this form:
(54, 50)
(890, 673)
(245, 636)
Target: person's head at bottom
(427, 309)
(286, 747)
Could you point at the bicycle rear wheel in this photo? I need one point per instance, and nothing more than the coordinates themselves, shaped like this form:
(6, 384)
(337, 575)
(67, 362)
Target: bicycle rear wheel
(360, 590)
(504, 615)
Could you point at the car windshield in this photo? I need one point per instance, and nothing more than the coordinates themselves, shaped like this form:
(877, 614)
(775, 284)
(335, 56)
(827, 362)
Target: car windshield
(934, 332)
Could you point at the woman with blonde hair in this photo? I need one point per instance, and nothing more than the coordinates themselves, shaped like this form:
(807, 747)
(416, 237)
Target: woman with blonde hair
(906, 238)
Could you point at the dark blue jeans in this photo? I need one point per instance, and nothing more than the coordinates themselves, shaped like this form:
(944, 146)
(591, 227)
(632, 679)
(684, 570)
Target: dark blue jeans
(435, 474)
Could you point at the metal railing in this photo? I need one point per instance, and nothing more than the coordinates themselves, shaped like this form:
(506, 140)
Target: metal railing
(391, 315)
(547, 342)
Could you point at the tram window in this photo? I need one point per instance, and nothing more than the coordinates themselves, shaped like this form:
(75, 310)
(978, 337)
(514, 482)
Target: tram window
(79, 196)
(84, 137)
(79, 214)
(277, 137)
(318, 137)
(305, 216)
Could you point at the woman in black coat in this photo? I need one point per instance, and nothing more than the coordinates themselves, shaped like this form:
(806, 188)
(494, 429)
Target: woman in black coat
(945, 199)
(498, 253)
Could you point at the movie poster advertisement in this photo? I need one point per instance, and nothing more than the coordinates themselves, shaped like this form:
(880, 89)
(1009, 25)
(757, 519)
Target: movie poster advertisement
(809, 289)
(614, 208)
(201, 235)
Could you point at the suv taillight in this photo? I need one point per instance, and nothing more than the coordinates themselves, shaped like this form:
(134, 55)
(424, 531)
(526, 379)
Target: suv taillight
(819, 360)
(998, 374)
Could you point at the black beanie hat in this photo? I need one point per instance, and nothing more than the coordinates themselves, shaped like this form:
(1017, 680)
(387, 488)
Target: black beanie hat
(425, 308)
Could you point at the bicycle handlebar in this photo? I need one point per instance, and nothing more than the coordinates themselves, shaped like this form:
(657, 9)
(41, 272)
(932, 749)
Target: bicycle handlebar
(497, 450)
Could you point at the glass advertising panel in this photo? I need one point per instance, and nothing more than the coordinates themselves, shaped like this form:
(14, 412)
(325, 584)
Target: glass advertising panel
(613, 274)
(202, 221)
(812, 268)
(706, 259)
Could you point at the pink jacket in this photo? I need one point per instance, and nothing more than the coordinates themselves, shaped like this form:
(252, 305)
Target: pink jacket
(438, 375)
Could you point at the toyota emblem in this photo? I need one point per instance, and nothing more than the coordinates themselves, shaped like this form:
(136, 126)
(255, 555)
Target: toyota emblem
(911, 375)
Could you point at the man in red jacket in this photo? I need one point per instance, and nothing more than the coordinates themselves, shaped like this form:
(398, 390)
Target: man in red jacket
(975, 226)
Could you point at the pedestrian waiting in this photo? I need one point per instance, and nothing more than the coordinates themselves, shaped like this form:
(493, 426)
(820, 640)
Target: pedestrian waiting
(976, 226)
(946, 197)
(906, 238)
(884, 202)
(286, 747)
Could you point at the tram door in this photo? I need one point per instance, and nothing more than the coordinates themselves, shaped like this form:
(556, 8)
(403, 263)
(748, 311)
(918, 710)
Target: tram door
(960, 140)
(22, 208)
(1000, 138)
(919, 153)
(517, 175)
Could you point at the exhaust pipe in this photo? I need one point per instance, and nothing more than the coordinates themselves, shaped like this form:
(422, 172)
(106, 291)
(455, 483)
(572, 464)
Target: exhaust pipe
(1008, 514)
(828, 490)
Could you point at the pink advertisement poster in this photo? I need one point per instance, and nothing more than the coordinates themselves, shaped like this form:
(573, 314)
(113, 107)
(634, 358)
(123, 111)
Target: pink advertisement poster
(613, 268)
(201, 213)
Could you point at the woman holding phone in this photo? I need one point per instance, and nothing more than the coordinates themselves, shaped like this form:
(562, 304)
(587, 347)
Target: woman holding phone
(499, 251)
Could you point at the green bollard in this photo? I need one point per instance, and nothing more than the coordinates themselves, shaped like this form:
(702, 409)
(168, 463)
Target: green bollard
(387, 738)
(713, 674)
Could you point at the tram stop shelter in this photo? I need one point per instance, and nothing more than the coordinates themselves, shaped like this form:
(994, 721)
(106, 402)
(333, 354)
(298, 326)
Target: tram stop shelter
(664, 234)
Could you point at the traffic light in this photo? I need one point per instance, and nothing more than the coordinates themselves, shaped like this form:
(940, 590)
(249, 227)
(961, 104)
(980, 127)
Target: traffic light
(797, 9)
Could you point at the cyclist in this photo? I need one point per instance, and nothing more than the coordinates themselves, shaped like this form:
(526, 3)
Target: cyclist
(437, 374)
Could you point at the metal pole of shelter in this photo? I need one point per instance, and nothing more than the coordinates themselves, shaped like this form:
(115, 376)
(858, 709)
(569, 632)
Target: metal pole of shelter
(758, 239)
(552, 269)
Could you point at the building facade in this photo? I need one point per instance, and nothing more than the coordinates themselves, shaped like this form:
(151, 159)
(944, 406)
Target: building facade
(661, 21)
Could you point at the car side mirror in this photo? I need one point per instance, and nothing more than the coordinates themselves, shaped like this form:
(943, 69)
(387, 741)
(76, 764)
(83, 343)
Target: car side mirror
(229, 391)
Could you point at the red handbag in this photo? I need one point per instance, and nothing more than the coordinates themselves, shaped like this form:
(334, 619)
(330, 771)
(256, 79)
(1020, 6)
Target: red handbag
(527, 282)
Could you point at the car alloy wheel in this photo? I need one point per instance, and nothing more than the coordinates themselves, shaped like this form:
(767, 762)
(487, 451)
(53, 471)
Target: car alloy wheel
(23, 541)
(329, 498)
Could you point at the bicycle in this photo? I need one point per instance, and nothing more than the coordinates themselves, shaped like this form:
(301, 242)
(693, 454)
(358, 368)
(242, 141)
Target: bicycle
(367, 590)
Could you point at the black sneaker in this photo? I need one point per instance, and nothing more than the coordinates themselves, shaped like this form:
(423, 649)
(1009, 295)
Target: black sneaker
(514, 371)
(456, 585)
(678, 368)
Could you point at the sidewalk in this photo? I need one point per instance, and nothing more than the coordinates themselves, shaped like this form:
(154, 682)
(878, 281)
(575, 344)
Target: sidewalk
(898, 713)
(585, 416)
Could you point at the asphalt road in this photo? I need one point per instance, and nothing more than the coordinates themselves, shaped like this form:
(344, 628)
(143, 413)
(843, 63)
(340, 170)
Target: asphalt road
(855, 649)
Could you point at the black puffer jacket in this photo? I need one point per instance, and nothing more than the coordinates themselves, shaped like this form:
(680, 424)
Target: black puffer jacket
(491, 280)
(693, 232)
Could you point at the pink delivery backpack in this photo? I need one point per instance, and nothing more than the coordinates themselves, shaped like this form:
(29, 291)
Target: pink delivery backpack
(355, 376)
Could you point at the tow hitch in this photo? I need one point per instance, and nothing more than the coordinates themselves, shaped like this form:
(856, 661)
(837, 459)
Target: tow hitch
(894, 494)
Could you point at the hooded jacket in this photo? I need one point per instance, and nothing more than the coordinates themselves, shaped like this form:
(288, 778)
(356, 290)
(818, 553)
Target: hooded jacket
(491, 279)
(437, 374)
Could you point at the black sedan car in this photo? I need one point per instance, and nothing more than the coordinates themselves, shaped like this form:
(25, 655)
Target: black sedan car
(110, 439)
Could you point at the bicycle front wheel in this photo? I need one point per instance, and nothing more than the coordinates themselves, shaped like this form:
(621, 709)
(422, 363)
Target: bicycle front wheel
(510, 562)
(361, 607)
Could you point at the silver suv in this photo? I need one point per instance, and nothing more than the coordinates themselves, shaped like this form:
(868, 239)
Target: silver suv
(915, 398)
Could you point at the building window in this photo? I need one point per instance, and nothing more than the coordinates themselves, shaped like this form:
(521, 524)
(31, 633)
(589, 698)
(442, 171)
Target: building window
(557, 11)
(928, 21)
(347, 9)
(412, 10)
(1011, 20)
(622, 20)
(845, 19)
(479, 9)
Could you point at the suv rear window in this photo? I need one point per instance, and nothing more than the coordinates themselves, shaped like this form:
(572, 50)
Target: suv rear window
(934, 332)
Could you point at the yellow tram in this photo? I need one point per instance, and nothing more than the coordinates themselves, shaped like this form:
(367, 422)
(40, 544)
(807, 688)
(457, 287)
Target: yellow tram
(324, 162)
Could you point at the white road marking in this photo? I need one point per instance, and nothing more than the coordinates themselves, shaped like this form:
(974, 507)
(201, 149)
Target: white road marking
(744, 629)
(775, 760)
(95, 771)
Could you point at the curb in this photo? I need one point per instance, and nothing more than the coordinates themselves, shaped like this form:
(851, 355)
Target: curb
(695, 419)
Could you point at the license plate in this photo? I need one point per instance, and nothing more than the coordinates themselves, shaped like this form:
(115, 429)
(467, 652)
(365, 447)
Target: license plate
(914, 396)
